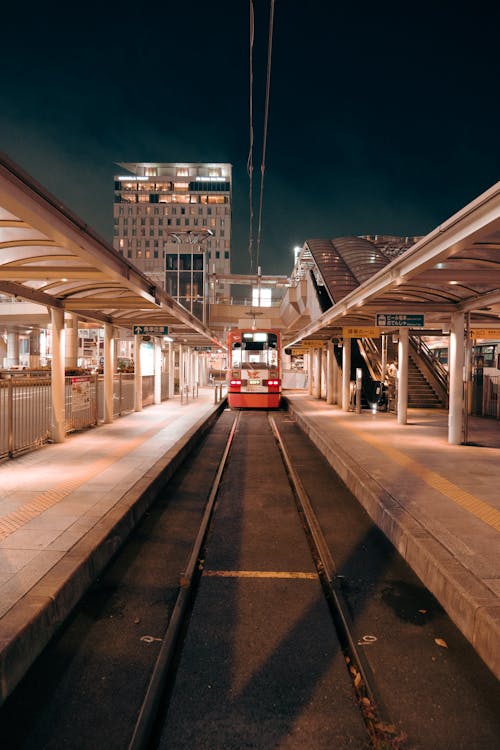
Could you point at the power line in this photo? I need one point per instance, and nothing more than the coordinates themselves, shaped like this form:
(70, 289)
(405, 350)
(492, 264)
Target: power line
(266, 119)
(250, 153)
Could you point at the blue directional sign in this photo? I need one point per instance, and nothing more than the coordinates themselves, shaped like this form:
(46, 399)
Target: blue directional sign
(151, 330)
(400, 320)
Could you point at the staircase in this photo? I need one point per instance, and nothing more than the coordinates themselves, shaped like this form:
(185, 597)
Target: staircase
(421, 395)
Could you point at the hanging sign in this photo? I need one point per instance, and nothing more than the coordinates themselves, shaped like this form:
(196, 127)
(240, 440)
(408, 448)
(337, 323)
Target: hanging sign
(312, 344)
(400, 320)
(151, 330)
(485, 333)
(361, 332)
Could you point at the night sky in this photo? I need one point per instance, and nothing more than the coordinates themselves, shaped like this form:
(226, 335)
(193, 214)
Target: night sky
(384, 117)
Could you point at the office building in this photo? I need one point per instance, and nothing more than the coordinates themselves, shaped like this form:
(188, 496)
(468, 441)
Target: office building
(173, 221)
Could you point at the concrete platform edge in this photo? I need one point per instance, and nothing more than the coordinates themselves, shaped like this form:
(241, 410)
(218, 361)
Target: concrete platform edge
(469, 603)
(28, 626)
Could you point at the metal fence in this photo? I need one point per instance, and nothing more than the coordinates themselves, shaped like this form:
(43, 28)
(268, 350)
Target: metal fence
(123, 395)
(25, 414)
(148, 389)
(26, 406)
(491, 402)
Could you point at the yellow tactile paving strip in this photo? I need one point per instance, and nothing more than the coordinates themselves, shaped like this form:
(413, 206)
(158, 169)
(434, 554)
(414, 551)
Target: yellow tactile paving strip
(259, 574)
(474, 505)
(15, 520)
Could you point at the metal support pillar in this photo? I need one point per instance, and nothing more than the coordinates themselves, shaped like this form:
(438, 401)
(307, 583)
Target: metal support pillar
(12, 349)
(71, 343)
(137, 373)
(157, 372)
(182, 373)
(58, 380)
(316, 373)
(35, 349)
(346, 374)
(330, 373)
(108, 373)
(403, 349)
(456, 369)
(323, 370)
(383, 364)
(171, 370)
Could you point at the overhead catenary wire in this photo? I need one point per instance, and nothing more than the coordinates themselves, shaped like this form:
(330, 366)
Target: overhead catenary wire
(250, 152)
(266, 120)
(251, 134)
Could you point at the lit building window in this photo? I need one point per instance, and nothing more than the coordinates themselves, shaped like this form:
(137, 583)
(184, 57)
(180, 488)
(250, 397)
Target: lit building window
(261, 297)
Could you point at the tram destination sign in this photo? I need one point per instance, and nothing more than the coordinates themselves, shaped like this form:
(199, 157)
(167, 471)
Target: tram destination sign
(400, 320)
(151, 330)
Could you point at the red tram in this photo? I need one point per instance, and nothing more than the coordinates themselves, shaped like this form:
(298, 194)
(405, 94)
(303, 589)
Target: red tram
(254, 375)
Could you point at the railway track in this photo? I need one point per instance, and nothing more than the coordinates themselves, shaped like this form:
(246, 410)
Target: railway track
(275, 638)
(381, 731)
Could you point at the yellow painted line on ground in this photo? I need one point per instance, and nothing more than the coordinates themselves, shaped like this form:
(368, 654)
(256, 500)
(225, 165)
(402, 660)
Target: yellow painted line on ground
(11, 522)
(259, 574)
(466, 500)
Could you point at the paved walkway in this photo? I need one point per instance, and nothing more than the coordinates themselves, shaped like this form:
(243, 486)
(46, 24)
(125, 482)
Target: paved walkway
(66, 508)
(438, 503)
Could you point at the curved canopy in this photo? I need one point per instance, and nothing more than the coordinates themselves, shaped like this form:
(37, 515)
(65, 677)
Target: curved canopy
(50, 257)
(454, 269)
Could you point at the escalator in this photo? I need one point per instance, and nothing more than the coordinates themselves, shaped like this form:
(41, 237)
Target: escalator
(372, 391)
(427, 380)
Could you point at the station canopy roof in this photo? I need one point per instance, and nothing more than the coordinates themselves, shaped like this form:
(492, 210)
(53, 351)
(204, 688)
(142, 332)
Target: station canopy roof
(50, 257)
(455, 268)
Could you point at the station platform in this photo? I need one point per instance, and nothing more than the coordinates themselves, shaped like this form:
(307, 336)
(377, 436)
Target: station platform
(65, 509)
(439, 504)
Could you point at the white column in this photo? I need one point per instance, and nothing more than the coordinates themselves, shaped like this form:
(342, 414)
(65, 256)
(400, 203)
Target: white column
(337, 380)
(310, 370)
(35, 349)
(383, 364)
(137, 373)
(329, 373)
(346, 374)
(316, 373)
(181, 370)
(456, 368)
(58, 382)
(71, 343)
(157, 372)
(108, 373)
(197, 368)
(324, 373)
(171, 370)
(403, 347)
(12, 349)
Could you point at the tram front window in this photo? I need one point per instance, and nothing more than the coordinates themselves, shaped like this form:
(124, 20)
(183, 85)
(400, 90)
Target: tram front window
(256, 351)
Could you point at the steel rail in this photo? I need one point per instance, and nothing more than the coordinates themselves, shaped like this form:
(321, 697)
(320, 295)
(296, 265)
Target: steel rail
(149, 710)
(331, 582)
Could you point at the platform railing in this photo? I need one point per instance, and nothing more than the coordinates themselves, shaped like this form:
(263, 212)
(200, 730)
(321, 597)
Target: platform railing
(25, 413)
(491, 400)
(26, 405)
